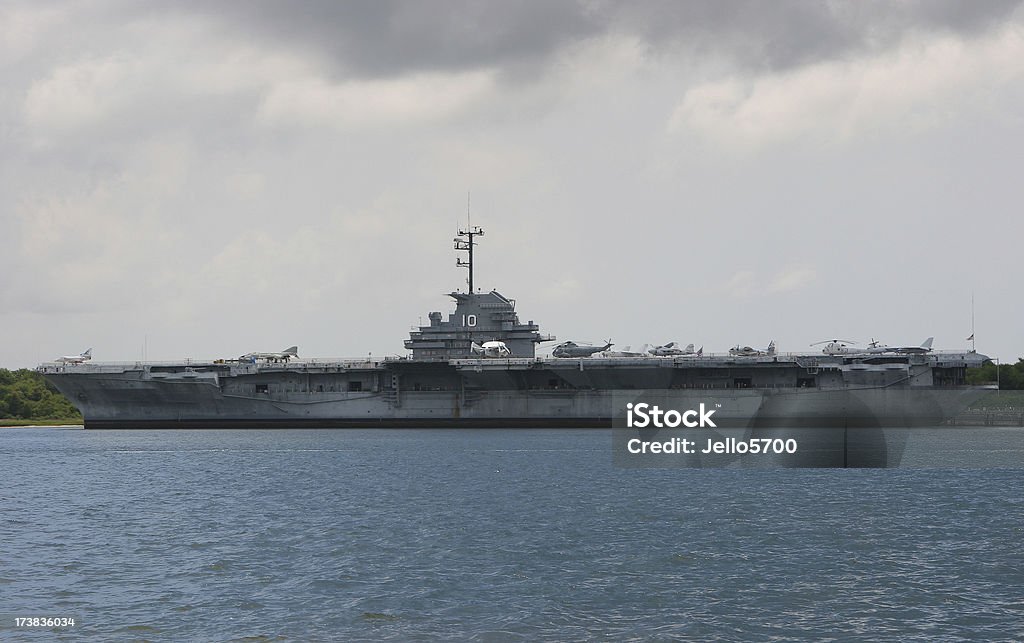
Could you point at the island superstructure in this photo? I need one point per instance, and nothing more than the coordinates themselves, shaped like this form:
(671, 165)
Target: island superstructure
(479, 318)
(478, 367)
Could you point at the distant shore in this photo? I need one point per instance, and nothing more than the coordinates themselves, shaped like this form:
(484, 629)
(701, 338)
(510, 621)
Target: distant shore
(7, 423)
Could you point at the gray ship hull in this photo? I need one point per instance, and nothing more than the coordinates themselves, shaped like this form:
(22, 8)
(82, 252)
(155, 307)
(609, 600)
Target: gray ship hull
(129, 398)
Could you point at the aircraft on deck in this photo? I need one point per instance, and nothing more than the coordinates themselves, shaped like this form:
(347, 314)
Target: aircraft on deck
(75, 359)
(839, 347)
(492, 349)
(672, 349)
(747, 351)
(626, 353)
(572, 349)
(874, 348)
(283, 356)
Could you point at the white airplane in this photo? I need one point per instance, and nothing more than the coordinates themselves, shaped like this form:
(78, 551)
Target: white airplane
(283, 356)
(874, 348)
(492, 349)
(747, 351)
(625, 353)
(75, 359)
(672, 349)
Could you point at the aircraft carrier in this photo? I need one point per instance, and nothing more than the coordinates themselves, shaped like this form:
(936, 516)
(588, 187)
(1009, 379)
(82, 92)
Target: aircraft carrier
(478, 367)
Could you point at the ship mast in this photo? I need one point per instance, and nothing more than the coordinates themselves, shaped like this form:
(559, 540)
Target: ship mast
(464, 241)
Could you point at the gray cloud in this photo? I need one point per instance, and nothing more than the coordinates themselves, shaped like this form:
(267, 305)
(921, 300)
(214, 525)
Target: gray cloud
(395, 37)
(790, 33)
(291, 166)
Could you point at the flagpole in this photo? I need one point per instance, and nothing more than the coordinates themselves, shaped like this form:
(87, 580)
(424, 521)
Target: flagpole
(973, 350)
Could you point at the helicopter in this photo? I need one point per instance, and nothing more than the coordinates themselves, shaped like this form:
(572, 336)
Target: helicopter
(839, 347)
(572, 349)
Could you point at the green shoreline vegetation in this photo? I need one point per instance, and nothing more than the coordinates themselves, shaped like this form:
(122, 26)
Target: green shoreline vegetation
(26, 399)
(1010, 376)
(1011, 385)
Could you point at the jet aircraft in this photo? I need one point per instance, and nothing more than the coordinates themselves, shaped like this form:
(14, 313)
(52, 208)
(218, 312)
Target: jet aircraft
(75, 359)
(874, 348)
(572, 349)
(283, 356)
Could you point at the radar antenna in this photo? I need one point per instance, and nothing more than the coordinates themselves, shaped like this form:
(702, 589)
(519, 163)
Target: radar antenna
(464, 241)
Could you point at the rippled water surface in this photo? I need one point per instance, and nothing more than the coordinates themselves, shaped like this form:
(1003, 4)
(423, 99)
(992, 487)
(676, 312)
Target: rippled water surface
(489, 535)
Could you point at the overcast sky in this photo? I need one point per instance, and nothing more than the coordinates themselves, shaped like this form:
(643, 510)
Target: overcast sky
(196, 179)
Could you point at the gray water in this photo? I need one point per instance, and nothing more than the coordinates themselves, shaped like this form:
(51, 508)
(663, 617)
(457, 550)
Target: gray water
(492, 535)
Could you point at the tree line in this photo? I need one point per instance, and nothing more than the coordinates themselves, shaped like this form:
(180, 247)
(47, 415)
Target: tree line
(1009, 376)
(25, 395)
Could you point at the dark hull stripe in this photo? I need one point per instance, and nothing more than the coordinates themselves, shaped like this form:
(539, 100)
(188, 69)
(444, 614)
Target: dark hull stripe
(759, 423)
